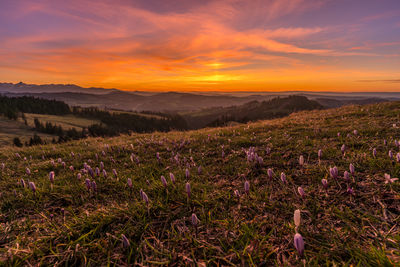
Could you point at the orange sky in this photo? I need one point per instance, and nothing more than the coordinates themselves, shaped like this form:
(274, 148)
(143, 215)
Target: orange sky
(270, 45)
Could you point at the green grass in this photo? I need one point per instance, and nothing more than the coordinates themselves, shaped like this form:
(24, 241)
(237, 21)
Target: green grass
(258, 229)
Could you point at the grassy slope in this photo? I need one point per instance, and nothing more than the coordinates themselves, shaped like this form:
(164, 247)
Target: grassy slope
(10, 129)
(337, 228)
(66, 121)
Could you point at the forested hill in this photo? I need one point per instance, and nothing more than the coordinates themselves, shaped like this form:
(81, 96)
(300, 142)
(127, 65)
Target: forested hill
(252, 111)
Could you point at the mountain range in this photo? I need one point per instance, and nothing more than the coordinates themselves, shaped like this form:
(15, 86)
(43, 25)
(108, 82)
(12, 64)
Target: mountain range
(177, 101)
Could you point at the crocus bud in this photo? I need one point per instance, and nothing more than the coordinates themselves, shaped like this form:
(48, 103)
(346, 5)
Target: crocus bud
(390, 154)
(145, 197)
(270, 173)
(355, 132)
(195, 220)
(299, 243)
(97, 171)
(51, 177)
(129, 182)
(94, 186)
(320, 153)
(71, 168)
(374, 152)
(187, 173)
(301, 160)
(346, 176)
(236, 193)
(188, 190)
(384, 142)
(163, 181)
(101, 165)
(172, 177)
(104, 173)
(343, 148)
(350, 190)
(338, 134)
(283, 178)
(301, 192)
(351, 168)
(114, 173)
(297, 218)
(32, 187)
(247, 187)
(324, 183)
(125, 241)
(88, 183)
(398, 157)
(28, 171)
(22, 182)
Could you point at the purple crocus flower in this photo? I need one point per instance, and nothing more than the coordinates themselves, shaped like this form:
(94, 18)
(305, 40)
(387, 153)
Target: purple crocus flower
(283, 178)
(374, 152)
(390, 180)
(333, 172)
(270, 173)
(199, 170)
(115, 173)
(130, 182)
(195, 220)
(125, 241)
(301, 192)
(22, 182)
(97, 171)
(351, 168)
(101, 165)
(51, 177)
(79, 176)
(299, 243)
(343, 148)
(172, 177)
(390, 154)
(398, 157)
(247, 187)
(346, 176)
(71, 168)
(28, 171)
(145, 197)
(301, 160)
(236, 193)
(187, 173)
(350, 190)
(188, 189)
(32, 186)
(94, 186)
(355, 132)
(384, 142)
(88, 183)
(324, 183)
(163, 181)
(104, 173)
(320, 154)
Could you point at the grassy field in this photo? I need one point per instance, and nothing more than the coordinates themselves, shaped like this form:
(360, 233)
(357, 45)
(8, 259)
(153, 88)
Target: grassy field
(354, 222)
(65, 121)
(9, 129)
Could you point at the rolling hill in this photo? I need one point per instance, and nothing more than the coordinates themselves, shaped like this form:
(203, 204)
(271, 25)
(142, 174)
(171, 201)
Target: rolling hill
(222, 205)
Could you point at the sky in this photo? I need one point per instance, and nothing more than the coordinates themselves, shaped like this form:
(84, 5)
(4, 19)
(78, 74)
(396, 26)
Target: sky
(203, 45)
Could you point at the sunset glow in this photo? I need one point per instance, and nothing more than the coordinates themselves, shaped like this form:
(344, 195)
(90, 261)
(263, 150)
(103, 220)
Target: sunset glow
(212, 45)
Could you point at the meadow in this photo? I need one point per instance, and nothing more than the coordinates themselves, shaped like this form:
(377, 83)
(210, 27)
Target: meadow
(65, 121)
(221, 196)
